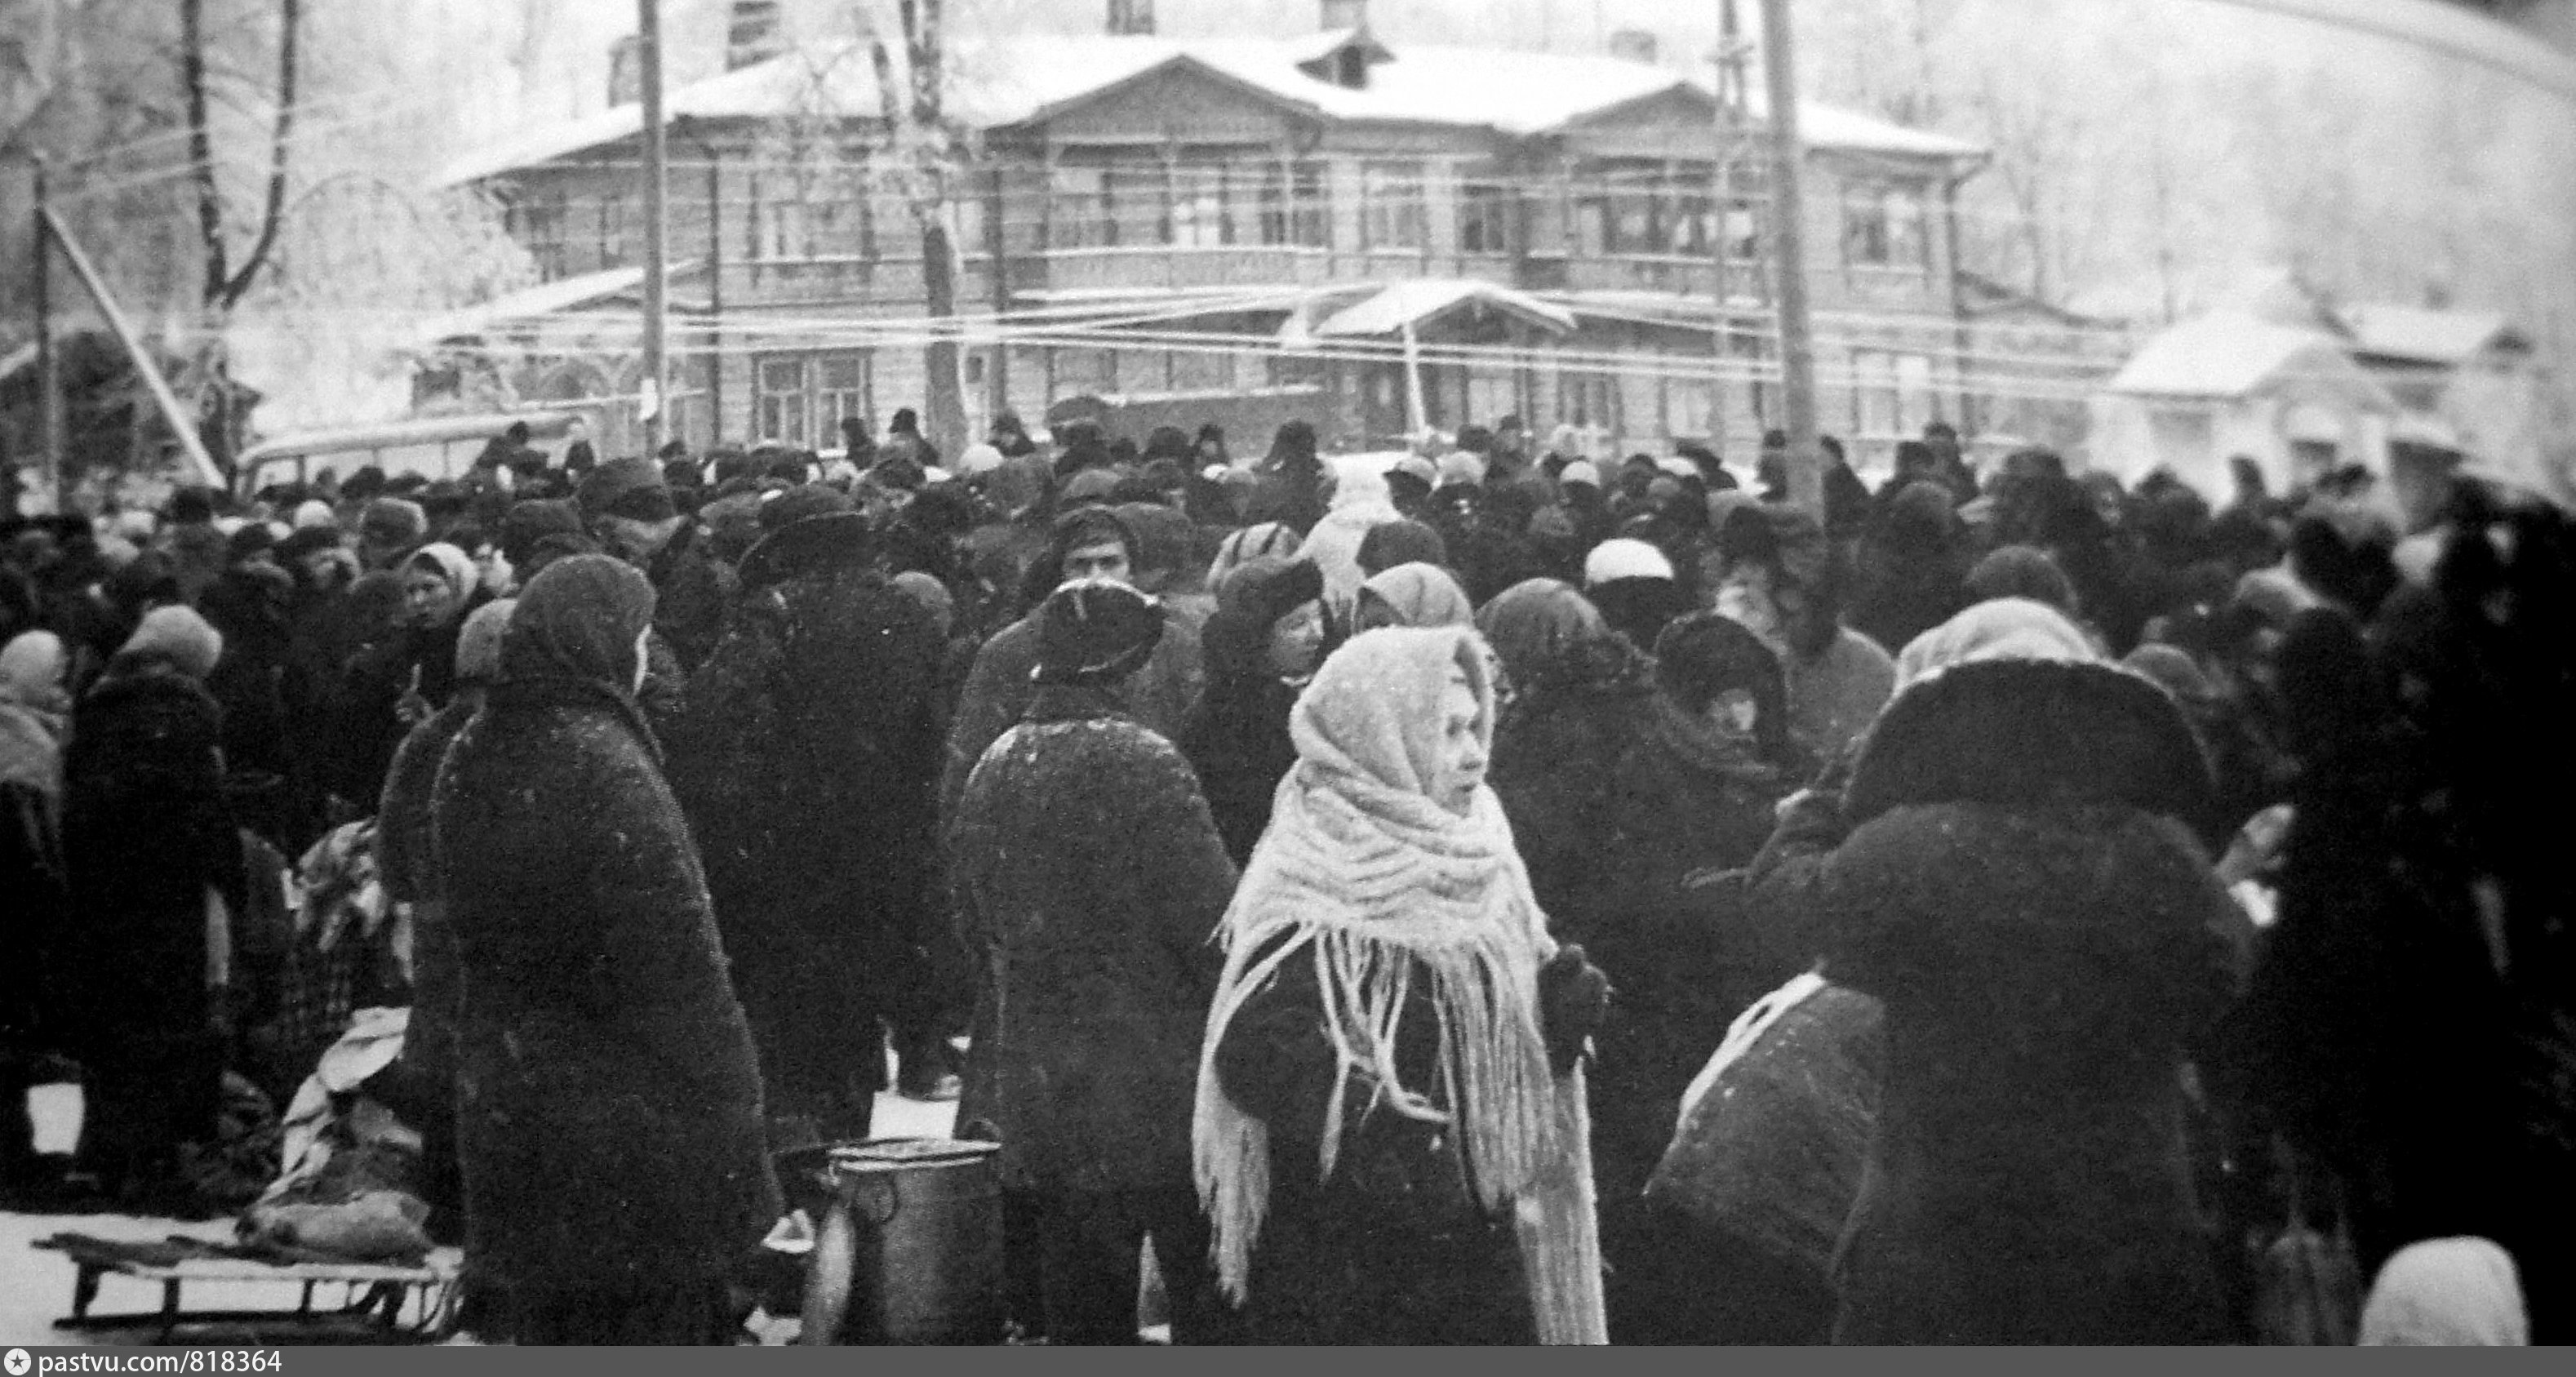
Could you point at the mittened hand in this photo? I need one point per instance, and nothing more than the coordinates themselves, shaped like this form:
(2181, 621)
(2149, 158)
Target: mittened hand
(1573, 1000)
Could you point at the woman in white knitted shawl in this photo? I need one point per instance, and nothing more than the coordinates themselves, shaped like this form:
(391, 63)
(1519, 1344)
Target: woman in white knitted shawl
(1389, 1132)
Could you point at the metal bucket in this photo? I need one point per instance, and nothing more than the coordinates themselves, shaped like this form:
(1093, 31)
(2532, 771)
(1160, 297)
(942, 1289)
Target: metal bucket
(909, 1244)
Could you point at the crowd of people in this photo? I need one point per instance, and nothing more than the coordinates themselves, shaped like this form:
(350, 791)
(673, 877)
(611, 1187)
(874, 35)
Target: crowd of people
(1490, 894)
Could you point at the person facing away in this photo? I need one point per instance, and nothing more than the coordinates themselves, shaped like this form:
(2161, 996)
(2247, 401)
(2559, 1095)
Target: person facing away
(609, 1116)
(1089, 876)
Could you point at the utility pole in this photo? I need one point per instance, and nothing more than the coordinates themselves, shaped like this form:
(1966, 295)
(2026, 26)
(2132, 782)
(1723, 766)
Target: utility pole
(49, 362)
(1733, 126)
(1789, 257)
(657, 177)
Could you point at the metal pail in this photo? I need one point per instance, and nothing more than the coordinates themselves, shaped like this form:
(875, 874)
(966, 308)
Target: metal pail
(909, 1246)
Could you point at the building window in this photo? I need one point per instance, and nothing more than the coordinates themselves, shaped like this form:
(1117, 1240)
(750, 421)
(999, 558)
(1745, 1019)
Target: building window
(1743, 232)
(1485, 213)
(1294, 208)
(840, 391)
(789, 231)
(780, 413)
(1392, 211)
(1693, 408)
(541, 229)
(1492, 392)
(612, 231)
(1883, 225)
(1892, 393)
(1625, 208)
(1082, 214)
(803, 398)
(1201, 216)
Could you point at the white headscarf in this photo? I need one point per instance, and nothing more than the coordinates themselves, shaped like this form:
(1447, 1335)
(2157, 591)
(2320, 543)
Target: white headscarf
(2002, 629)
(2446, 1292)
(1382, 889)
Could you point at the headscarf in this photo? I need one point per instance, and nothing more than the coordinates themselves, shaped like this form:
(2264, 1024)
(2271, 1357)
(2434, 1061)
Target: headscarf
(451, 564)
(572, 637)
(2021, 571)
(1384, 891)
(2446, 1292)
(1535, 623)
(32, 707)
(1251, 543)
(1360, 504)
(176, 636)
(314, 514)
(933, 596)
(478, 642)
(2004, 629)
(1420, 595)
(1400, 542)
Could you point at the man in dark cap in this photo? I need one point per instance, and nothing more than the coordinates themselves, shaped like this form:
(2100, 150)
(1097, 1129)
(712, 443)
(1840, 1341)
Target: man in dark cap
(389, 530)
(627, 503)
(1088, 543)
(1089, 875)
(537, 532)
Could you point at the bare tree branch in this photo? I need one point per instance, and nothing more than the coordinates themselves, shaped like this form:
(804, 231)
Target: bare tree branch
(290, 12)
(201, 154)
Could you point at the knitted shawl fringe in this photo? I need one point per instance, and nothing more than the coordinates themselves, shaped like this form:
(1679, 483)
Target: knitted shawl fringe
(1377, 897)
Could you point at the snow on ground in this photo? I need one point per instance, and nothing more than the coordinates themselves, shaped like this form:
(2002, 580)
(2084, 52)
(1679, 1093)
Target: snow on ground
(36, 1283)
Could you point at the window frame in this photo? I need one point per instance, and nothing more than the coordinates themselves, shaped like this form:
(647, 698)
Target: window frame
(1391, 220)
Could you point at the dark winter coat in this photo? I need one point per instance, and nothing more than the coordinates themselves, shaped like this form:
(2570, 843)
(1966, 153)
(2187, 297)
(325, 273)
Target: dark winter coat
(1393, 1247)
(1236, 735)
(372, 694)
(1685, 807)
(146, 835)
(249, 607)
(2045, 935)
(1090, 880)
(804, 755)
(1914, 570)
(998, 692)
(1557, 750)
(407, 866)
(609, 1111)
(689, 608)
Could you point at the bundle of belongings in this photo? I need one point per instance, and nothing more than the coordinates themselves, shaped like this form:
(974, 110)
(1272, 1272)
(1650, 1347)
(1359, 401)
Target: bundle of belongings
(351, 949)
(349, 1187)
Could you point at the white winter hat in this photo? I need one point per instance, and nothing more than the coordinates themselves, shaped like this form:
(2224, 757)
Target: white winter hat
(1461, 466)
(1420, 467)
(1580, 471)
(1677, 466)
(978, 460)
(1623, 558)
(315, 512)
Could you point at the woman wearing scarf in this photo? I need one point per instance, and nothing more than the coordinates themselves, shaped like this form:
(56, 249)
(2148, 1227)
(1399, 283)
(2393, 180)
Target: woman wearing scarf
(1413, 594)
(1581, 700)
(398, 684)
(1262, 644)
(1390, 1134)
(1690, 799)
(407, 865)
(608, 1101)
(33, 705)
(1262, 540)
(147, 835)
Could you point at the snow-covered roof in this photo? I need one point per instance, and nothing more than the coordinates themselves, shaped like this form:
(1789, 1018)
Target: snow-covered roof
(528, 303)
(2232, 354)
(2421, 335)
(1411, 303)
(1019, 78)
